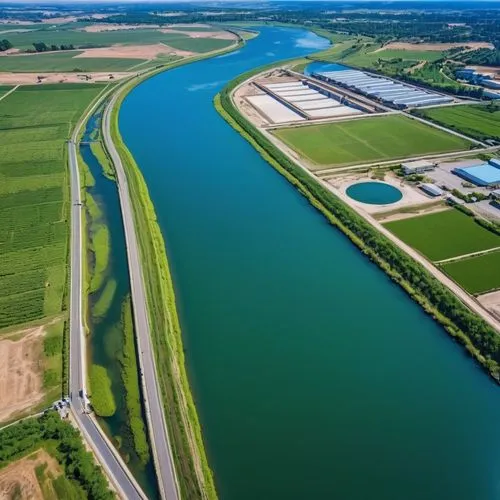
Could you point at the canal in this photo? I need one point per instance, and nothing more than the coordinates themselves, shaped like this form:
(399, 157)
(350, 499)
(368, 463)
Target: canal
(313, 374)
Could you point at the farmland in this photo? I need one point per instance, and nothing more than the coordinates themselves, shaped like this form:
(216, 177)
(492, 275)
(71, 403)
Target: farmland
(368, 140)
(81, 39)
(481, 122)
(64, 61)
(444, 235)
(34, 124)
(476, 274)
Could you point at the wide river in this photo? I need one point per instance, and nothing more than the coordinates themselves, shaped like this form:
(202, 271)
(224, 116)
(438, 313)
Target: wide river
(315, 377)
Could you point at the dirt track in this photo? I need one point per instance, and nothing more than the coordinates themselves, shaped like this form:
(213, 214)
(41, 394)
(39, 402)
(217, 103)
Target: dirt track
(19, 480)
(434, 46)
(21, 372)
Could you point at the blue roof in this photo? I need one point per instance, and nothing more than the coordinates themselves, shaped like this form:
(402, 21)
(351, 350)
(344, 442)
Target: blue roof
(482, 175)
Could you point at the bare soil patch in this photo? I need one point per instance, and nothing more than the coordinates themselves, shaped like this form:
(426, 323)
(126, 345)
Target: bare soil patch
(220, 35)
(60, 20)
(21, 371)
(133, 51)
(18, 480)
(494, 71)
(99, 28)
(492, 302)
(436, 46)
(33, 78)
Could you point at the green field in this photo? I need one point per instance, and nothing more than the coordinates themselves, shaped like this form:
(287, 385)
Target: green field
(64, 61)
(368, 140)
(480, 122)
(4, 89)
(412, 55)
(476, 274)
(34, 124)
(444, 235)
(106, 38)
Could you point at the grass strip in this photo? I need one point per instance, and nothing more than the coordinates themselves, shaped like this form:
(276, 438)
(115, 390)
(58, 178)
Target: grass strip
(480, 340)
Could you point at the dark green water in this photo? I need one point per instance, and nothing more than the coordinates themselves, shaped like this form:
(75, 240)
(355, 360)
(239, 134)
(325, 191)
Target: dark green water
(315, 376)
(374, 193)
(105, 343)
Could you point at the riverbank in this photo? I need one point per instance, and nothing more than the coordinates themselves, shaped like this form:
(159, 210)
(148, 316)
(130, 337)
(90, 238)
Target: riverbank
(184, 430)
(479, 338)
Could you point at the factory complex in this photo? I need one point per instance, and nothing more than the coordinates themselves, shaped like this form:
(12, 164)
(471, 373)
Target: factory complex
(486, 174)
(389, 92)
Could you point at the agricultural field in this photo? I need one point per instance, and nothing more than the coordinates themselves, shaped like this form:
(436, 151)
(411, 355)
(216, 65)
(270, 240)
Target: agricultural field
(4, 89)
(64, 61)
(34, 125)
(476, 274)
(85, 39)
(444, 235)
(368, 140)
(480, 122)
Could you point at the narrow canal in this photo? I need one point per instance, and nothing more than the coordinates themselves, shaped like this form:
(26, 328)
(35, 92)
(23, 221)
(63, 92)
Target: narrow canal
(105, 344)
(314, 375)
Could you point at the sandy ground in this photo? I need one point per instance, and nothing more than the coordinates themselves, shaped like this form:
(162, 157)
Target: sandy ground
(411, 195)
(19, 481)
(492, 302)
(98, 28)
(220, 35)
(435, 46)
(418, 210)
(60, 20)
(32, 78)
(494, 71)
(9, 52)
(134, 51)
(21, 372)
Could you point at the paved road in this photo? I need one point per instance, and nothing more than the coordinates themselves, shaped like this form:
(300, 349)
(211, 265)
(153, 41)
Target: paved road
(104, 450)
(162, 452)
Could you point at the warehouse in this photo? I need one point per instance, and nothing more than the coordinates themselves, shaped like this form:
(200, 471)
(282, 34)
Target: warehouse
(431, 189)
(381, 88)
(417, 167)
(480, 175)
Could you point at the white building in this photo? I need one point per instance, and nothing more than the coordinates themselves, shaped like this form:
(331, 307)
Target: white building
(417, 167)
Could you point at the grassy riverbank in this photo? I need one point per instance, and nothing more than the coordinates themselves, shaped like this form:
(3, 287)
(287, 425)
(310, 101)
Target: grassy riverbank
(480, 340)
(193, 471)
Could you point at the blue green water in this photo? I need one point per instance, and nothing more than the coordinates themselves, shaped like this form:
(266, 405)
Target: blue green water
(315, 376)
(374, 193)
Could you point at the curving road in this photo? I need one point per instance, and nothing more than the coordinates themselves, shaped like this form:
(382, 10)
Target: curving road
(160, 443)
(112, 463)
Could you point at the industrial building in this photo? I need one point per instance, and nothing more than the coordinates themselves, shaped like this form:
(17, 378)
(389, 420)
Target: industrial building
(431, 189)
(417, 167)
(385, 90)
(487, 174)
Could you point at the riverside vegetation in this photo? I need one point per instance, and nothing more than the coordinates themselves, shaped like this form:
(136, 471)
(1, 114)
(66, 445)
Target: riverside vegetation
(480, 340)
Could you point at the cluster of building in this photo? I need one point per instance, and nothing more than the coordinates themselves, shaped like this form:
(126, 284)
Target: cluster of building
(486, 80)
(387, 91)
(485, 175)
(310, 100)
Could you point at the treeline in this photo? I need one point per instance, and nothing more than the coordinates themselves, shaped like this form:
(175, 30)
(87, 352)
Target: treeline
(43, 47)
(5, 45)
(78, 464)
(481, 340)
(480, 57)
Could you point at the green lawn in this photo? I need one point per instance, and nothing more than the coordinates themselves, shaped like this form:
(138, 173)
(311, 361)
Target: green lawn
(368, 140)
(34, 125)
(412, 55)
(476, 274)
(66, 61)
(481, 122)
(443, 235)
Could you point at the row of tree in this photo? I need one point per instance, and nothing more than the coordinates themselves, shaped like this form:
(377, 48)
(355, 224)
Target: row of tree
(78, 464)
(43, 47)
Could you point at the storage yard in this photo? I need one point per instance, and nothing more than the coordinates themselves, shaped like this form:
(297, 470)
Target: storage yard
(384, 90)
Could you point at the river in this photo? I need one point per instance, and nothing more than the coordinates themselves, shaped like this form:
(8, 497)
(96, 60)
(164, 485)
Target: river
(313, 374)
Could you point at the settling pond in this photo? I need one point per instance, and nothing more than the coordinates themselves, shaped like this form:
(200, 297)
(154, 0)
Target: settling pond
(374, 193)
(314, 375)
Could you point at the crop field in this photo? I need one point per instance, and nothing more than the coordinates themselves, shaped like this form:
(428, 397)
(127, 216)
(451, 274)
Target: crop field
(34, 124)
(476, 274)
(4, 89)
(412, 55)
(480, 122)
(368, 140)
(64, 61)
(444, 235)
(81, 39)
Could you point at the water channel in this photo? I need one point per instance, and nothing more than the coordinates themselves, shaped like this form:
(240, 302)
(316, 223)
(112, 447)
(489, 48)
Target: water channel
(314, 375)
